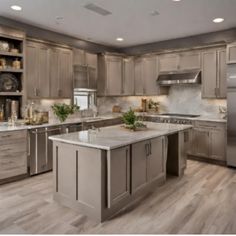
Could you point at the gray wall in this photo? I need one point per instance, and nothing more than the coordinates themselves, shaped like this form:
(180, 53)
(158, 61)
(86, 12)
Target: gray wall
(225, 36)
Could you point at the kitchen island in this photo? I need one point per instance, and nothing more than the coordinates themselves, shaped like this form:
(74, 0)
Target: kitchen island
(99, 172)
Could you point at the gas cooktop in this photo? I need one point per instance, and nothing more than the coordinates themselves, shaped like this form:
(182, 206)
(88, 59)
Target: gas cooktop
(180, 115)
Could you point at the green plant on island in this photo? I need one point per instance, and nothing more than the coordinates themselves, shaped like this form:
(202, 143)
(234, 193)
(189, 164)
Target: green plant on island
(131, 120)
(62, 111)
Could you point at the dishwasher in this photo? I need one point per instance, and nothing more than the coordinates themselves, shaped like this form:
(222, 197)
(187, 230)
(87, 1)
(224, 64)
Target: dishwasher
(40, 151)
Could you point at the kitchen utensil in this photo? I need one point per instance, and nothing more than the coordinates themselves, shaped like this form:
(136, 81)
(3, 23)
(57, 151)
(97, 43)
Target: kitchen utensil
(8, 83)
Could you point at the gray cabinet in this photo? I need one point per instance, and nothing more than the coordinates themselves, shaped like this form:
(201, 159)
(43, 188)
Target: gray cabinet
(37, 70)
(128, 76)
(190, 60)
(85, 69)
(214, 73)
(146, 74)
(209, 140)
(49, 71)
(168, 62)
(148, 162)
(139, 83)
(231, 53)
(118, 169)
(110, 75)
(201, 142)
(13, 156)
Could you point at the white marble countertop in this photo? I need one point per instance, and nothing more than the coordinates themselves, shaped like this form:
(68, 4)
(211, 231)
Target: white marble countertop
(20, 126)
(116, 136)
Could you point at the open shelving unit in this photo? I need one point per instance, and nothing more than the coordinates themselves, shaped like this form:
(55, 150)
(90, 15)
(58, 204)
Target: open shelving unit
(15, 40)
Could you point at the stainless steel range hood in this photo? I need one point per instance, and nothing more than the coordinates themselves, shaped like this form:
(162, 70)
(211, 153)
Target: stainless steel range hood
(179, 77)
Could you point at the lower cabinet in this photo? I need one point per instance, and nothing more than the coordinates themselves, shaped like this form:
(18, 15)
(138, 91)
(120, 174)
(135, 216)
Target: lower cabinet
(209, 140)
(148, 162)
(13, 156)
(118, 175)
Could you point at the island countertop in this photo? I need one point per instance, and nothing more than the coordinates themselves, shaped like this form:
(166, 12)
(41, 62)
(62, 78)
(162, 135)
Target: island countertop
(113, 137)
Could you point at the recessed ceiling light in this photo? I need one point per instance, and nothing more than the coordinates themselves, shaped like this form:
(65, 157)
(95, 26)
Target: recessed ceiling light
(16, 8)
(176, 0)
(218, 20)
(120, 39)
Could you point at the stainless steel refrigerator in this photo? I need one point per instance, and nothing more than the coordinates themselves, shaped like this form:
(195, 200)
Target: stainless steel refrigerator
(231, 116)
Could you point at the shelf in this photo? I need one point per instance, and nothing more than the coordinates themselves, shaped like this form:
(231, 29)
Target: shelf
(11, 94)
(11, 54)
(12, 70)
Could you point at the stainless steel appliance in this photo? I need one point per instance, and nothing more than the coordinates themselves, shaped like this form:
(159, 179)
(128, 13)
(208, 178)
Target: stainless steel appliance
(231, 116)
(175, 118)
(179, 77)
(85, 98)
(40, 149)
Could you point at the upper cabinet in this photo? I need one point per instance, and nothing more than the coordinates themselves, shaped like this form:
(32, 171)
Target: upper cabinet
(168, 62)
(179, 61)
(115, 75)
(49, 71)
(146, 72)
(231, 53)
(214, 73)
(85, 69)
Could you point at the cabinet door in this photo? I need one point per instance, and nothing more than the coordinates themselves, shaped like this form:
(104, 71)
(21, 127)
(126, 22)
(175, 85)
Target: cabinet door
(65, 73)
(150, 76)
(138, 83)
(201, 142)
(157, 159)
(231, 54)
(128, 76)
(139, 165)
(190, 60)
(184, 141)
(168, 62)
(218, 144)
(221, 74)
(13, 155)
(54, 73)
(118, 169)
(44, 72)
(114, 75)
(78, 57)
(32, 69)
(92, 61)
(209, 74)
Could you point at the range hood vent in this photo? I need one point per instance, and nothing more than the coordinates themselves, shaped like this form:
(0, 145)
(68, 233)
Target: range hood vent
(179, 77)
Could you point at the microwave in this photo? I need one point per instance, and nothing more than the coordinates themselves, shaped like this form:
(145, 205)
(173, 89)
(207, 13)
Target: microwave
(85, 98)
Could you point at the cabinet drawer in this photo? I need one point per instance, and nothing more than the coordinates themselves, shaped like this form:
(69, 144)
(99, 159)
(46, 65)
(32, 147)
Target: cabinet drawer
(12, 135)
(13, 165)
(209, 124)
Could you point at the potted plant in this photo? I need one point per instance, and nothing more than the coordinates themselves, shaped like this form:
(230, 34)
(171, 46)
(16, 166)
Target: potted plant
(62, 111)
(131, 121)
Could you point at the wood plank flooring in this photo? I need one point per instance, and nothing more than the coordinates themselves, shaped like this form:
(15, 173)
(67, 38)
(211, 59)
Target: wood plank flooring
(203, 201)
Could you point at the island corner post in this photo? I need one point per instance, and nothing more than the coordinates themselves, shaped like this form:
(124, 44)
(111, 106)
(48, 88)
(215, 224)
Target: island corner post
(99, 183)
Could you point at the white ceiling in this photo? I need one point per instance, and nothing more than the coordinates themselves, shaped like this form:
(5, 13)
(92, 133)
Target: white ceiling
(130, 19)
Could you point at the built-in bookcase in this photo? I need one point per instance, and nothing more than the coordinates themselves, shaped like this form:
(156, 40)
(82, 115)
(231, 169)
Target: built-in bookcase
(12, 61)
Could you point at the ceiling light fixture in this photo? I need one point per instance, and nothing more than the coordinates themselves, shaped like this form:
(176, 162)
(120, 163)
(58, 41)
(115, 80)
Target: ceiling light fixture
(120, 39)
(218, 20)
(176, 0)
(16, 8)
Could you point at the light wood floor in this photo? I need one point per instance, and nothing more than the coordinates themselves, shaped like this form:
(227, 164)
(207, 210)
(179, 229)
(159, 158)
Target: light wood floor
(203, 201)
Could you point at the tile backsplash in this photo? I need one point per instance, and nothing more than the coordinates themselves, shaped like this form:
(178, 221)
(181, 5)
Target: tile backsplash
(181, 99)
